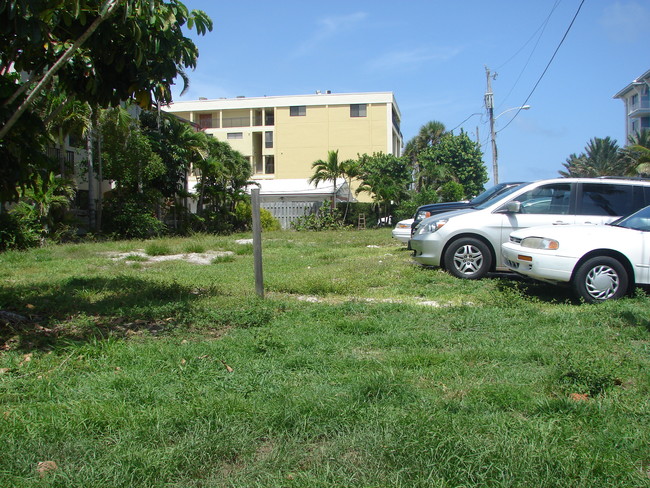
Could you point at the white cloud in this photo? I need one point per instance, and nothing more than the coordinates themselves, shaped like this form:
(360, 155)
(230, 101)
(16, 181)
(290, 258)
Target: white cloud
(328, 27)
(411, 57)
(626, 21)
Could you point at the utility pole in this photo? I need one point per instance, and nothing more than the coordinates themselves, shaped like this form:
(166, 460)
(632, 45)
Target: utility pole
(489, 105)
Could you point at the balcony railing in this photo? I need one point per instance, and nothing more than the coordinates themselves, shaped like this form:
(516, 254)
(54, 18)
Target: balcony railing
(65, 158)
(236, 122)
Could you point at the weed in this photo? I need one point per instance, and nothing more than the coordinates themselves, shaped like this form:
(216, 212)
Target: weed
(158, 249)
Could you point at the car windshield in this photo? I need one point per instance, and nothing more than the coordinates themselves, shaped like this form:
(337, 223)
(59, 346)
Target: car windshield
(499, 196)
(490, 193)
(639, 220)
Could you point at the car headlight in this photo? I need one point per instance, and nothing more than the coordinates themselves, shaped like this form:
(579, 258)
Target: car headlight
(540, 243)
(430, 227)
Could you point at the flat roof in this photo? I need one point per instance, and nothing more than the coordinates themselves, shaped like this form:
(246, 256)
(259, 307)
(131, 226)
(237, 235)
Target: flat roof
(282, 101)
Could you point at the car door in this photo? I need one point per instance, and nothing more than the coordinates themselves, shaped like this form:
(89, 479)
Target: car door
(544, 205)
(602, 202)
(644, 270)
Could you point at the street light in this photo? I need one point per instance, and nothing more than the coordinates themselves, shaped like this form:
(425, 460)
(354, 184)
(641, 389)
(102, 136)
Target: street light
(493, 136)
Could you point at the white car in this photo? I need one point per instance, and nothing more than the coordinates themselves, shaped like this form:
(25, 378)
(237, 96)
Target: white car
(467, 243)
(600, 262)
(402, 231)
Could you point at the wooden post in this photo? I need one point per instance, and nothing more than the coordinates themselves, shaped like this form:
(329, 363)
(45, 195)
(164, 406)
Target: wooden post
(257, 242)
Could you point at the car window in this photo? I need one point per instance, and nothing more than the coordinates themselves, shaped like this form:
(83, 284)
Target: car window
(546, 199)
(609, 199)
(502, 195)
(639, 220)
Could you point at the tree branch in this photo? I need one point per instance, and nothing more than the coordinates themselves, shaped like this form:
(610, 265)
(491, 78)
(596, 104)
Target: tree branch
(107, 9)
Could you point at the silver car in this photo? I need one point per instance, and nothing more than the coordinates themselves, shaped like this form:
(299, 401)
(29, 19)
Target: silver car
(467, 243)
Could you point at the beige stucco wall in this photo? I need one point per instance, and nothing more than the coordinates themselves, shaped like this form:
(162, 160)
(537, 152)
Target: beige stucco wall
(298, 141)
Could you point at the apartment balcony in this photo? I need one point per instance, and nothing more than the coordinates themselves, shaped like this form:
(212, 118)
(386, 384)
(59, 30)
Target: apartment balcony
(229, 122)
(65, 159)
(640, 109)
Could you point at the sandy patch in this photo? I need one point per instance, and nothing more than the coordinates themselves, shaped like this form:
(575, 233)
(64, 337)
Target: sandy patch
(192, 257)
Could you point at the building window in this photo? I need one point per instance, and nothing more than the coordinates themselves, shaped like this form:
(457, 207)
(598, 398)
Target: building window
(268, 139)
(235, 135)
(269, 164)
(269, 116)
(257, 120)
(205, 121)
(358, 110)
(298, 111)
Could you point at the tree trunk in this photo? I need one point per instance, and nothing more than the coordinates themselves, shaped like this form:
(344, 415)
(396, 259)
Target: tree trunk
(91, 176)
(100, 196)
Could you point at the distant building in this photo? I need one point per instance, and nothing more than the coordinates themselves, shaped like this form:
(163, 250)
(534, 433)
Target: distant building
(636, 97)
(283, 135)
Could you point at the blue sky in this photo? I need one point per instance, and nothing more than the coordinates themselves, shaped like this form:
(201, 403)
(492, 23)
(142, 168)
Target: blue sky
(432, 55)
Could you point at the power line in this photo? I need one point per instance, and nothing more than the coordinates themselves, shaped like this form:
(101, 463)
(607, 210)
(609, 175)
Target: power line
(547, 66)
(469, 117)
(541, 28)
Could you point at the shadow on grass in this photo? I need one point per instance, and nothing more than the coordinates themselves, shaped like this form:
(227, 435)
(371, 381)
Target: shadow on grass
(81, 308)
(544, 292)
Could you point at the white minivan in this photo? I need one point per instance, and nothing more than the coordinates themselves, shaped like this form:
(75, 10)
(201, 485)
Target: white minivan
(467, 242)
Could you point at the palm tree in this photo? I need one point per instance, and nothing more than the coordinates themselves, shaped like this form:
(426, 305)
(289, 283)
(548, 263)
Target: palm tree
(330, 170)
(428, 136)
(351, 169)
(637, 154)
(602, 157)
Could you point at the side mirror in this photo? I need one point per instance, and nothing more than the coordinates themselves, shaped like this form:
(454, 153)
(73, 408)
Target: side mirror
(512, 207)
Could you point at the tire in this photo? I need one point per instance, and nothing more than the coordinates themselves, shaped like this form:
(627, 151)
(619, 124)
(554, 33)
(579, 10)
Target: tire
(468, 258)
(600, 278)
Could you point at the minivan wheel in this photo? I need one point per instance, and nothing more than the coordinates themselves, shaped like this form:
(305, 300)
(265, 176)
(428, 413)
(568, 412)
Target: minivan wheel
(468, 258)
(600, 278)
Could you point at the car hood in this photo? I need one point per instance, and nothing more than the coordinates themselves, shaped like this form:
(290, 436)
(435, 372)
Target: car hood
(447, 215)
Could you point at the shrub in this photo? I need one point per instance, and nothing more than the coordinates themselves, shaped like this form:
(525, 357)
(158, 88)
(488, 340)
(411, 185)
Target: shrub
(18, 231)
(244, 215)
(326, 218)
(131, 216)
(268, 221)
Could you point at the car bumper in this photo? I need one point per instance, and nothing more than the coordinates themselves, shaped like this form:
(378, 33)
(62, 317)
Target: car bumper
(402, 237)
(426, 249)
(541, 265)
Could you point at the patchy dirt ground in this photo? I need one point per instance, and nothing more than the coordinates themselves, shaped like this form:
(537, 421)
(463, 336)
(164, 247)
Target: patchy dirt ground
(192, 257)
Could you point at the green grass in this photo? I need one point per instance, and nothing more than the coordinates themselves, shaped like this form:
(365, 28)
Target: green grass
(177, 375)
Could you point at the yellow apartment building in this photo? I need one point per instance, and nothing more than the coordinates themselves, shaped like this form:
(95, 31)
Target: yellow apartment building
(283, 135)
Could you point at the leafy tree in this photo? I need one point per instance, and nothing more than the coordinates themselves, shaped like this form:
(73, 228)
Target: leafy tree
(128, 157)
(146, 48)
(222, 179)
(452, 192)
(428, 136)
(179, 146)
(602, 157)
(386, 177)
(329, 170)
(455, 158)
(96, 51)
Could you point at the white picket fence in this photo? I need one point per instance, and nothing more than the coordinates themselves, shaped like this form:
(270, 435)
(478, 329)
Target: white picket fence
(287, 212)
